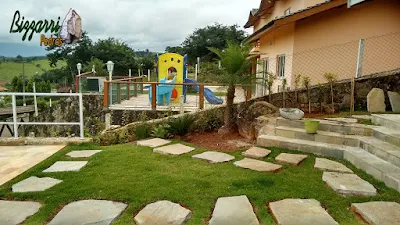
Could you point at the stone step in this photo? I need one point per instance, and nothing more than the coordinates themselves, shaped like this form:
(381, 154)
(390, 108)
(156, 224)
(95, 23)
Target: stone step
(389, 135)
(387, 120)
(331, 126)
(321, 136)
(382, 149)
(371, 164)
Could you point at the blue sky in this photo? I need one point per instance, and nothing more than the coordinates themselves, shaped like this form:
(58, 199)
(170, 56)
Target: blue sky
(143, 24)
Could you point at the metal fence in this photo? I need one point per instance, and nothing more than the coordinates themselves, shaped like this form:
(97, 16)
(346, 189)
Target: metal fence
(353, 59)
(16, 123)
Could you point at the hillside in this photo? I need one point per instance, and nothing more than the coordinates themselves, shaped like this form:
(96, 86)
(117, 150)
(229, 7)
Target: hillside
(10, 69)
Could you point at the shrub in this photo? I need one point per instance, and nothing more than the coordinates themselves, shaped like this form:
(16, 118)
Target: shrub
(142, 131)
(161, 131)
(180, 125)
(209, 120)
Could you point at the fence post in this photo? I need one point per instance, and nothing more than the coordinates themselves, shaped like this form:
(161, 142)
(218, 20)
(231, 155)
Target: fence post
(76, 84)
(128, 86)
(106, 94)
(360, 58)
(14, 108)
(135, 87)
(34, 99)
(154, 96)
(201, 97)
(81, 116)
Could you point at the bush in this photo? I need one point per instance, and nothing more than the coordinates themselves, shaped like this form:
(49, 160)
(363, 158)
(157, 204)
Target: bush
(161, 131)
(180, 125)
(142, 131)
(210, 120)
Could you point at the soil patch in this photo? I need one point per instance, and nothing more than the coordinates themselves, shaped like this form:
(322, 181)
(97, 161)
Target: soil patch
(220, 142)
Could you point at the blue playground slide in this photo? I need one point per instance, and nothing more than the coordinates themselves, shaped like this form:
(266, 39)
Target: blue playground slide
(208, 94)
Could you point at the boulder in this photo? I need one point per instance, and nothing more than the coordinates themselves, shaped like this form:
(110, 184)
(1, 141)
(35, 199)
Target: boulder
(376, 100)
(246, 119)
(394, 98)
(291, 113)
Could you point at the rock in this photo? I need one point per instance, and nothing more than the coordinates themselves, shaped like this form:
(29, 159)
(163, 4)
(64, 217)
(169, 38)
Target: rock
(89, 212)
(378, 213)
(33, 184)
(331, 166)
(163, 212)
(154, 142)
(394, 98)
(257, 165)
(214, 157)
(342, 120)
(235, 210)
(246, 118)
(14, 212)
(376, 100)
(239, 143)
(63, 166)
(300, 212)
(362, 117)
(256, 153)
(293, 159)
(291, 113)
(348, 184)
(82, 153)
(264, 125)
(176, 149)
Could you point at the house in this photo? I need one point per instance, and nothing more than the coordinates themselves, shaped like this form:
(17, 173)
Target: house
(313, 37)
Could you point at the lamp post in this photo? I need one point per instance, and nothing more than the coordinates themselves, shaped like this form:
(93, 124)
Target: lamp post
(110, 68)
(79, 67)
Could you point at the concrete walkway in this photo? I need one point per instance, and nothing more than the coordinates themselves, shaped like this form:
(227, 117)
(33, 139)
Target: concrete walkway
(15, 160)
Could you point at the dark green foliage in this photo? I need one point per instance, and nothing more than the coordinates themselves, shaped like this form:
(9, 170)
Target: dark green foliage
(161, 131)
(142, 131)
(210, 120)
(181, 125)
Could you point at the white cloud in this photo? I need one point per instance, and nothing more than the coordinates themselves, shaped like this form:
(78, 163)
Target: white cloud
(152, 24)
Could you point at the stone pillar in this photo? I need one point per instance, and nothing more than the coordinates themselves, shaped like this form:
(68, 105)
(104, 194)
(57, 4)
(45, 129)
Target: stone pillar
(108, 120)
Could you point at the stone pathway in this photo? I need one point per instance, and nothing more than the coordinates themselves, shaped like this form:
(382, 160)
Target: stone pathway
(83, 153)
(14, 212)
(89, 212)
(363, 117)
(257, 165)
(256, 153)
(342, 120)
(214, 157)
(378, 213)
(163, 212)
(34, 184)
(348, 184)
(300, 212)
(176, 149)
(63, 166)
(331, 166)
(15, 160)
(292, 159)
(233, 211)
(154, 142)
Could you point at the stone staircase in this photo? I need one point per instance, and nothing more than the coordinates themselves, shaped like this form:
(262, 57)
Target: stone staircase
(374, 149)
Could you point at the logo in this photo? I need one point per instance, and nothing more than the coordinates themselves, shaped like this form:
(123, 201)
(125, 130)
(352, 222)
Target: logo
(69, 32)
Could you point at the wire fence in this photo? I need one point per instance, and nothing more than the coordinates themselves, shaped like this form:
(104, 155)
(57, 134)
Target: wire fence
(353, 59)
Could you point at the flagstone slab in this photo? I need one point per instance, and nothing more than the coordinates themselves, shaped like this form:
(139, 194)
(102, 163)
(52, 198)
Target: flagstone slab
(331, 166)
(378, 213)
(300, 212)
(176, 149)
(348, 184)
(257, 165)
(154, 142)
(15, 212)
(214, 157)
(362, 117)
(163, 212)
(34, 184)
(235, 210)
(63, 166)
(83, 153)
(256, 153)
(342, 120)
(292, 159)
(89, 212)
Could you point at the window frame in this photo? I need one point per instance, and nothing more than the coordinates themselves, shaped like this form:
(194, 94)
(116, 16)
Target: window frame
(287, 12)
(281, 64)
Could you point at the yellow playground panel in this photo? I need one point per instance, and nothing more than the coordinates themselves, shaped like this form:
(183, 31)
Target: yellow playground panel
(172, 60)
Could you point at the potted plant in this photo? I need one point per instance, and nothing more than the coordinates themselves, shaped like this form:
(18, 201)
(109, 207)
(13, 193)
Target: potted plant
(311, 126)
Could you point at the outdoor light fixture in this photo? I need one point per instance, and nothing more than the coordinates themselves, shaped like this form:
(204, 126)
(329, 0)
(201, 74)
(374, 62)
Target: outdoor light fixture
(79, 67)
(110, 66)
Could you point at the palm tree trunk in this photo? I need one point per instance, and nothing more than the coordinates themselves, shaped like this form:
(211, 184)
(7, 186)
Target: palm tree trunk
(229, 107)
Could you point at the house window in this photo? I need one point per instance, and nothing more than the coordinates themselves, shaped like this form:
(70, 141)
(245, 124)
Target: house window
(287, 12)
(281, 66)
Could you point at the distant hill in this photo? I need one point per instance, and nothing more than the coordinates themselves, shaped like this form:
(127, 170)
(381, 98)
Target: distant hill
(10, 69)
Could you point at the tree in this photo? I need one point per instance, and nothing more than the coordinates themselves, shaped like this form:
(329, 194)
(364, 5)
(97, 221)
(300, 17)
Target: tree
(331, 78)
(99, 67)
(236, 64)
(306, 85)
(146, 63)
(215, 36)
(175, 49)
(19, 58)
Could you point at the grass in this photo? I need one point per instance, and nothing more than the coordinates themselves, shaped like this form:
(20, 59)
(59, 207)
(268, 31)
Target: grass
(137, 176)
(8, 70)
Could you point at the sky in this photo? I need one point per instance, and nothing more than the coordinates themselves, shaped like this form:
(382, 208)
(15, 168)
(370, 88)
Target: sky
(142, 24)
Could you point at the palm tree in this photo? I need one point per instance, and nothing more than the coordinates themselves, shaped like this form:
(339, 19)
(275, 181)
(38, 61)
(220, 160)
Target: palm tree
(236, 64)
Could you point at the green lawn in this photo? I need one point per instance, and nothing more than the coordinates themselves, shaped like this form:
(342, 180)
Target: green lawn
(137, 176)
(10, 69)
